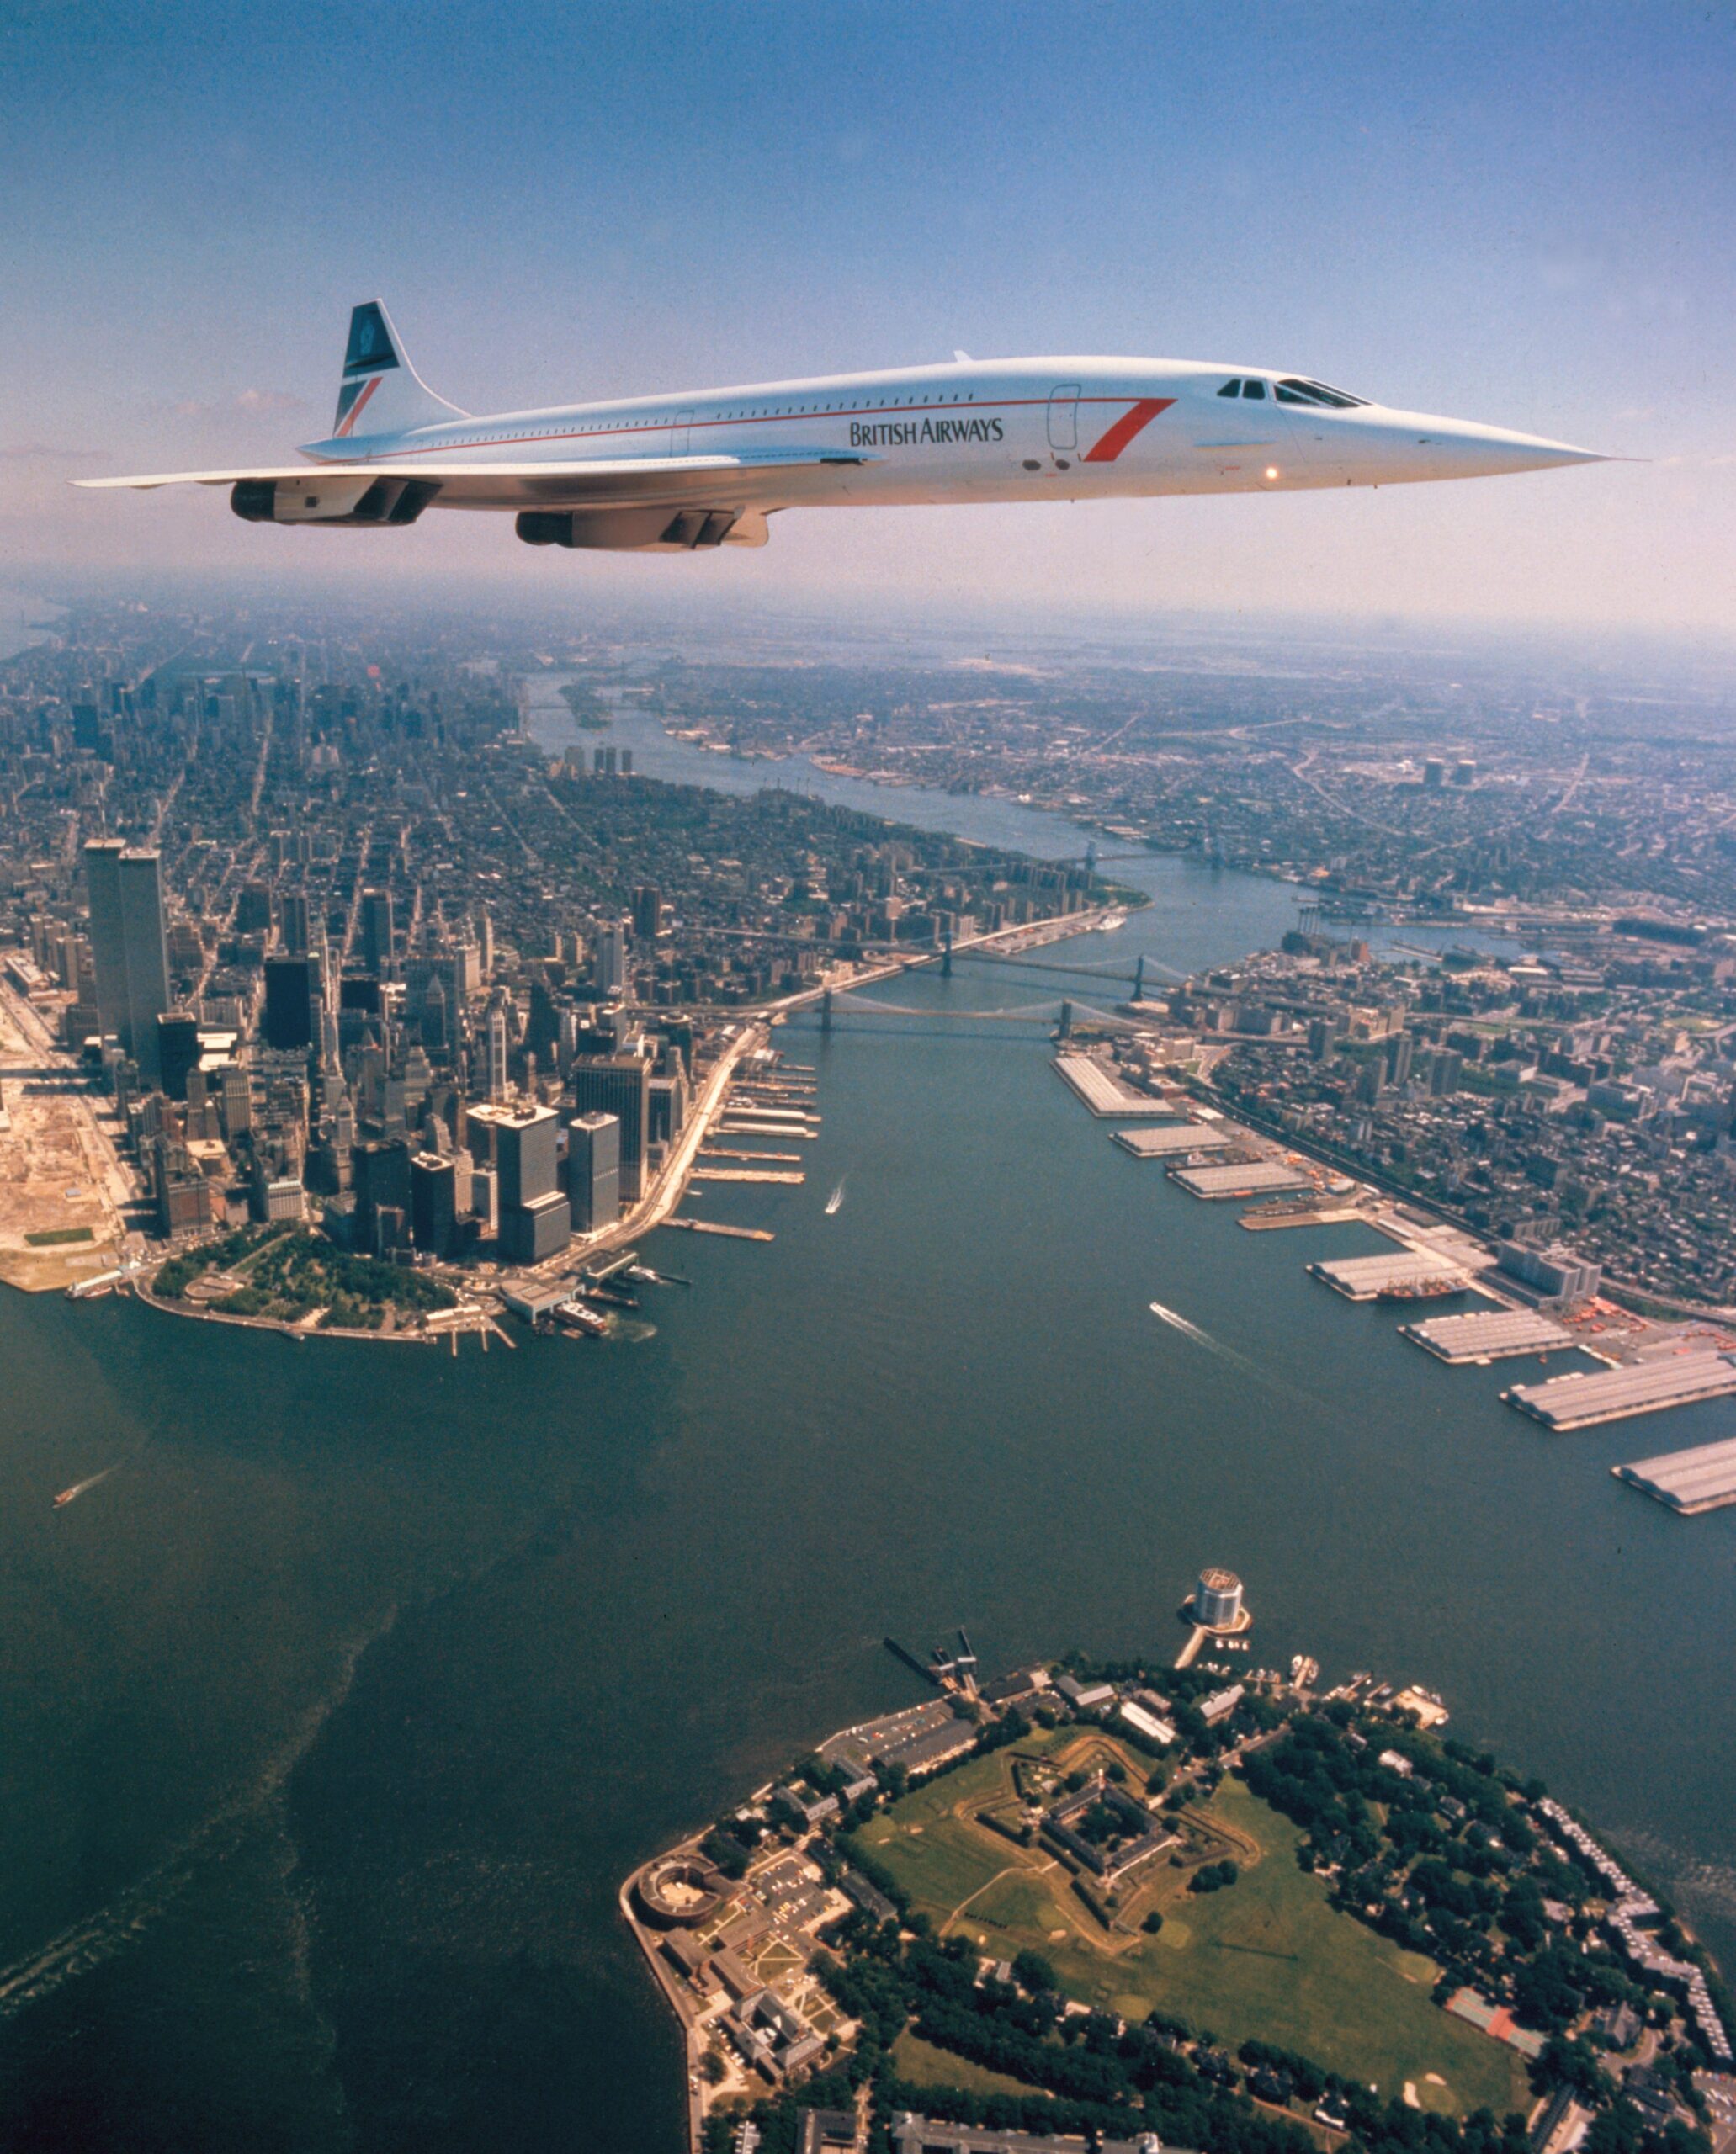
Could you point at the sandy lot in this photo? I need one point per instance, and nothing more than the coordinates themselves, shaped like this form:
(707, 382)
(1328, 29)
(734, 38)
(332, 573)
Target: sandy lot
(56, 1172)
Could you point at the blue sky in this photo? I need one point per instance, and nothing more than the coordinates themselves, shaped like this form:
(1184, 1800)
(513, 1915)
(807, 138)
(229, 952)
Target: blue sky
(1521, 212)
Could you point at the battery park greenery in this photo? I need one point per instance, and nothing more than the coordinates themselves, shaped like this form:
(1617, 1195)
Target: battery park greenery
(288, 1276)
(1243, 1916)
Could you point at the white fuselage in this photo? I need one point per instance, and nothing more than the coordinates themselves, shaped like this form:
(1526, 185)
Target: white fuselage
(1018, 430)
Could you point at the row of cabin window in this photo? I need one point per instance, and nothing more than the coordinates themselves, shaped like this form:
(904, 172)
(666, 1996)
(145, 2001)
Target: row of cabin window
(1294, 392)
(794, 410)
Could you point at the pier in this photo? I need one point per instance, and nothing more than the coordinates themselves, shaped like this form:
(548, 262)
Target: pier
(1105, 1091)
(1251, 1178)
(1488, 1335)
(1582, 1401)
(717, 1227)
(1702, 1479)
(746, 1174)
(1406, 1274)
(1179, 1139)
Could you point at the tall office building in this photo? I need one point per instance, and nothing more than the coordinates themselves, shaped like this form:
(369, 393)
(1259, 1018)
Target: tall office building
(611, 965)
(292, 1003)
(175, 1042)
(667, 1108)
(234, 1100)
(294, 925)
(376, 926)
(593, 1171)
(620, 1085)
(382, 1185)
(525, 1154)
(535, 1219)
(127, 948)
(253, 909)
(647, 913)
(433, 1204)
(497, 1038)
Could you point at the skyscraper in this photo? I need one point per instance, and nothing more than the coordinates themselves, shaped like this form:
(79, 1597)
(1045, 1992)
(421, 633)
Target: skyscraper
(293, 924)
(174, 1040)
(127, 948)
(496, 1040)
(376, 925)
(535, 1219)
(382, 1184)
(292, 989)
(433, 1204)
(611, 965)
(593, 1171)
(618, 1085)
(524, 1152)
(647, 913)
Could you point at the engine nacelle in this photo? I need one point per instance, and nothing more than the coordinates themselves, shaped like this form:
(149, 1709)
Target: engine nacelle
(346, 503)
(642, 530)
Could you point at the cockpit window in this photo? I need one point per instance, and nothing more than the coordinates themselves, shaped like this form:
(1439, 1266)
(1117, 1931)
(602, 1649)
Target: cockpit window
(1231, 389)
(1254, 388)
(1291, 391)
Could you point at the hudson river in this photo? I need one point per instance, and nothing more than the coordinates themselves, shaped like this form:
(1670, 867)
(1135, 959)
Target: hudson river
(333, 1719)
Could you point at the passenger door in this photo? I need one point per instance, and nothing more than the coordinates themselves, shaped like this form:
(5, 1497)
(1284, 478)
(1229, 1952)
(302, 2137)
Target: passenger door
(681, 433)
(1064, 417)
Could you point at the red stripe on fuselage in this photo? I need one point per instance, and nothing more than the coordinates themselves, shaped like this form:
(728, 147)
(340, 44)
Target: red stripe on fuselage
(1127, 428)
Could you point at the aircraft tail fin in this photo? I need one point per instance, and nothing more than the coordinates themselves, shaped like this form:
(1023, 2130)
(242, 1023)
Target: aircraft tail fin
(380, 392)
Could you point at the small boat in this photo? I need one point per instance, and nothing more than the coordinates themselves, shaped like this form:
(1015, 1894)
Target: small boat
(575, 1317)
(835, 1201)
(65, 1495)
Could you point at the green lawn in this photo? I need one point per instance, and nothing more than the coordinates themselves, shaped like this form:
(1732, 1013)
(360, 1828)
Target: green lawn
(922, 2062)
(56, 1236)
(1268, 1957)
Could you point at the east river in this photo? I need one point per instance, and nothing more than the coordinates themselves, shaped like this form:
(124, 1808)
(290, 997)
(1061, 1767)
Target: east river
(332, 1720)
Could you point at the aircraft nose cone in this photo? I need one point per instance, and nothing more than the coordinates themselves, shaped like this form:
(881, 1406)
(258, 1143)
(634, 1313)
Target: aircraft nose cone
(1470, 450)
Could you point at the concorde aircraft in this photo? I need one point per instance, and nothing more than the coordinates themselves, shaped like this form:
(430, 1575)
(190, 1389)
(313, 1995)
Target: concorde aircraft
(706, 468)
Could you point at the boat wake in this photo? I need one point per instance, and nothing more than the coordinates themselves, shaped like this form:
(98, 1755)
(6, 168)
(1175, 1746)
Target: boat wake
(71, 1495)
(1176, 1322)
(113, 1928)
(1201, 1337)
(835, 1202)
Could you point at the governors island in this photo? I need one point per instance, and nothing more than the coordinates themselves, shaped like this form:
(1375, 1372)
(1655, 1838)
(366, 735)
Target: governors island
(1134, 1905)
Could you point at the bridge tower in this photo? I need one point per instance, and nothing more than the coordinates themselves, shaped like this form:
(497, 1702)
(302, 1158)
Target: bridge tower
(825, 1011)
(1064, 1030)
(946, 963)
(1091, 856)
(1139, 978)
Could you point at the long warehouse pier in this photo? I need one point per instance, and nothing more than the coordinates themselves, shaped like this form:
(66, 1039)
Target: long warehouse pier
(1581, 1401)
(1702, 1479)
(1488, 1335)
(1106, 1092)
(1252, 1178)
(1407, 1275)
(1179, 1139)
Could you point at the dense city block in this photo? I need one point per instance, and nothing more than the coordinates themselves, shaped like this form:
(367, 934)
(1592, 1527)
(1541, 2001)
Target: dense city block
(314, 934)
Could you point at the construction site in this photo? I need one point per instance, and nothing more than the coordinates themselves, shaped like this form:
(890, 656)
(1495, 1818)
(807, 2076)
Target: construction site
(62, 1189)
